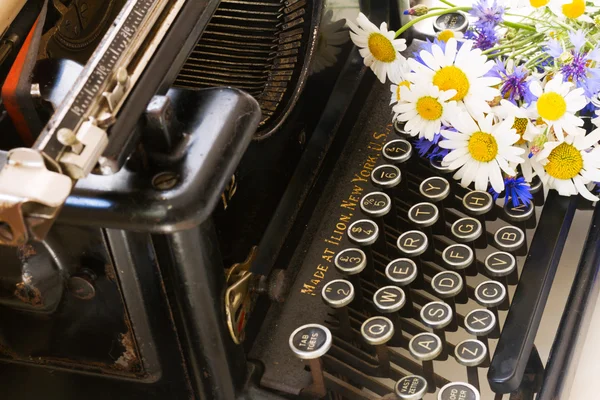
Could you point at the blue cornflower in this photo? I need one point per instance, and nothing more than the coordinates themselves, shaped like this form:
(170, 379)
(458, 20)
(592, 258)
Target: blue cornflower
(578, 71)
(578, 39)
(554, 48)
(515, 84)
(485, 37)
(516, 189)
(429, 148)
(487, 13)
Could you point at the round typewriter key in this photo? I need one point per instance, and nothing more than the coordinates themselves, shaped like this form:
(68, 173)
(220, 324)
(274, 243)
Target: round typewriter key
(426, 347)
(478, 202)
(386, 176)
(412, 243)
(423, 214)
(454, 21)
(503, 266)
(376, 204)
(402, 272)
(399, 128)
(471, 353)
(412, 387)
(536, 188)
(351, 262)
(480, 322)
(466, 230)
(310, 342)
(377, 331)
(437, 165)
(363, 232)
(491, 294)
(338, 294)
(458, 390)
(447, 285)
(389, 300)
(510, 238)
(437, 316)
(435, 188)
(397, 151)
(460, 257)
(519, 213)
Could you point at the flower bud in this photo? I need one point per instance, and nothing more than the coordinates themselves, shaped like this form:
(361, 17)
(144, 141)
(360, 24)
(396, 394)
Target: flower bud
(417, 10)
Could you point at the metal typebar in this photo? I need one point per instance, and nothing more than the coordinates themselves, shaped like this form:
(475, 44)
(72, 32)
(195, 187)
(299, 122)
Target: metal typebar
(523, 320)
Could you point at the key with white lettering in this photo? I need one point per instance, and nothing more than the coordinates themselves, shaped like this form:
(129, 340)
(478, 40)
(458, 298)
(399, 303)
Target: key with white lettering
(387, 178)
(512, 239)
(377, 331)
(467, 231)
(436, 190)
(412, 387)
(502, 266)
(310, 342)
(338, 294)
(481, 322)
(446, 285)
(402, 272)
(521, 215)
(459, 391)
(397, 151)
(388, 301)
(437, 316)
(364, 233)
(351, 262)
(479, 204)
(424, 216)
(412, 244)
(377, 206)
(426, 347)
(471, 353)
(491, 294)
(460, 258)
(537, 190)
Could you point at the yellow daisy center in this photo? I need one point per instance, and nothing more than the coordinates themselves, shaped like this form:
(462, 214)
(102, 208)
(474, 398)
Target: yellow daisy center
(520, 126)
(452, 78)
(551, 106)
(564, 162)
(538, 3)
(382, 48)
(403, 83)
(446, 35)
(429, 108)
(483, 147)
(575, 9)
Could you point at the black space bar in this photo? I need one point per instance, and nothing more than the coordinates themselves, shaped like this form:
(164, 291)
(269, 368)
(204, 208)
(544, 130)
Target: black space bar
(523, 320)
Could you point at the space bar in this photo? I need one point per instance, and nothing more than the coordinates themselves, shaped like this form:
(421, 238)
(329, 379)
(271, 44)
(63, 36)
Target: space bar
(523, 319)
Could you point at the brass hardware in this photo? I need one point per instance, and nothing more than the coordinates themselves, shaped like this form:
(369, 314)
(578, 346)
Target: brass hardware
(240, 296)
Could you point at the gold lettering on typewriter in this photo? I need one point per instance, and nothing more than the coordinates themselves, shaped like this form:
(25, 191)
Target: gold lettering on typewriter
(426, 344)
(455, 255)
(347, 207)
(431, 187)
(377, 329)
(410, 242)
(480, 321)
(437, 312)
(491, 293)
(499, 261)
(446, 282)
(509, 236)
(465, 349)
(419, 211)
(400, 270)
(476, 201)
(388, 297)
(466, 228)
(520, 207)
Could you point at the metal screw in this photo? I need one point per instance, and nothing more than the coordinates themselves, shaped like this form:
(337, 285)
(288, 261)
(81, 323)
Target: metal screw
(165, 180)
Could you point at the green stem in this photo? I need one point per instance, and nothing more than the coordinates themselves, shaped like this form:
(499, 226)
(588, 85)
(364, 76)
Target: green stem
(429, 15)
(525, 16)
(517, 25)
(448, 3)
(512, 45)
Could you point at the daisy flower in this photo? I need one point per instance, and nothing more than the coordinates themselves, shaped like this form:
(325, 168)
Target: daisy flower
(331, 36)
(571, 9)
(557, 104)
(402, 81)
(569, 165)
(381, 52)
(538, 3)
(481, 150)
(424, 108)
(448, 34)
(462, 70)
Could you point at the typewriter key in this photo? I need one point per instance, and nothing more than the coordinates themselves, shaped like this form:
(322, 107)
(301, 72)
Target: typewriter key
(388, 177)
(503, 267)
(436, 190)
(511, 239)
(424, 216)
(459, 390)
(466, 230)
(377, 331)
(522, 215)
(479, 204)
(351, 262)
(438, 166)
(377, 205)
(460, 258)
(402, 272)
(311, 342)
(412, 387)
(481, 323)
(471, 353)
(397, 151)
(426, 347)
(338, 294)
(389, 300)
(412, 243)
(491, 294)
(437, 316)
(447, 285)
(365, 233)
(399, 128)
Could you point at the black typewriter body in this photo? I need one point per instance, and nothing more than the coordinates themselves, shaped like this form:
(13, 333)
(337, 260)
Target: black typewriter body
(258, 196)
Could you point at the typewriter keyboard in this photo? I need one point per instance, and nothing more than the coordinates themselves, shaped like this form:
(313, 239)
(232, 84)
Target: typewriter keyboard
(404, 279)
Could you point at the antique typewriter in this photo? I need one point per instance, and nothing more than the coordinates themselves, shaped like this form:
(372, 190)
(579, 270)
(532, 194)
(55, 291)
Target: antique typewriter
(247, 223)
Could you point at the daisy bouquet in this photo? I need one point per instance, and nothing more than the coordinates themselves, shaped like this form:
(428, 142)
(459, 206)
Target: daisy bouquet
(512, 98)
